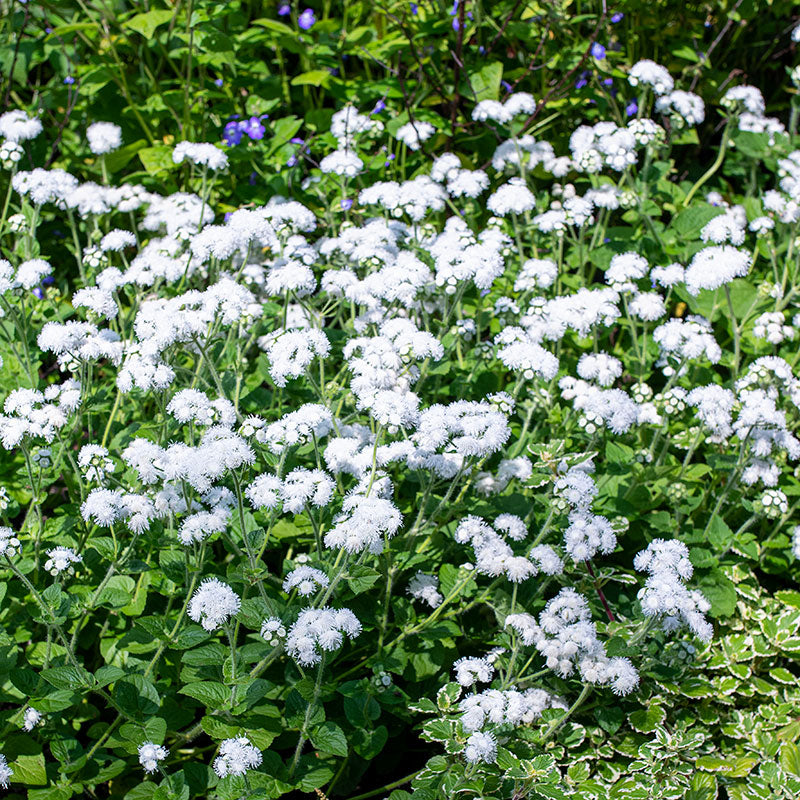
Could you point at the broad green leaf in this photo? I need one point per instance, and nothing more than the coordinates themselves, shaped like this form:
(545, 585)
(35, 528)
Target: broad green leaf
(485, 82)
(157, 158)
(67, 677)
(330, 738)
(790, 757)
(29, 769)
(146, 23)
(314, 77)
(212, 694)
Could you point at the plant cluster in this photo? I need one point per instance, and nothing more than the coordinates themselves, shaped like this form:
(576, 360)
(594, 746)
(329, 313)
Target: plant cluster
(499, 460)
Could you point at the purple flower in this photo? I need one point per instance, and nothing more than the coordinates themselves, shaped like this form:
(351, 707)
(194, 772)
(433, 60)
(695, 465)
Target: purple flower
(631, 108)
(38, 292)
(297, 140)
(581, 82)
(219, 82)
(253, 128)
(291, 161)
(481, 49)
(454, 9)
(307, 19)
(334, 71)
(615, 18)
(284, 10)
(252, 179)
(232, 134)
(48, 280)
(69, 80)
(455, 23)
(48, 29)
(414, 8)
(608, 81)
(507, 86)
(379, 106)
(346, 203)
(228, 215)
(598, 51)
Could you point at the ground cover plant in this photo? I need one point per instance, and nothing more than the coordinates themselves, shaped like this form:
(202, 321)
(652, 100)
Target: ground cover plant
(387, 449)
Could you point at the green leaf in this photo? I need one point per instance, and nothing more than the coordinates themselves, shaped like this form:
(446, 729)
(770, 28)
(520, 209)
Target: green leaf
(720, 591)
(67, 677)
(158, 158)
(609, 717)
(274, 25)
(692, 220)
(51, 793)
(719, 534)
(647, 720)
(485, 82)
(29, 769)
(330, 738)
(790, 758)
(361, 578)
(789, 597)
(314, 77)
(119, 158)
(369, 743)
(686, 53)
(211, 694)
(714, 764)
(117, 592)
(217, 729)
(146, 23)
(75, 27)
(137, 695)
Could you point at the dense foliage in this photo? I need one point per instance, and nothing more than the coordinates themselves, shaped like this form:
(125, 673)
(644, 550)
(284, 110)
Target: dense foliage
(356, 442)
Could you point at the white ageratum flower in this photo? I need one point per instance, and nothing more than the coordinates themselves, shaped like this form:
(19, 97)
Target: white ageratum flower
(17, 126)
(481, 748)
(9, 543)
(213, 603)
(104, 137)
(5, 772)
(236, 756)
(200, 153)
(319, 630)
(273, 631)
(150, 754)
(306, 580)
(61, 559)
(30, 719)
(412, 134)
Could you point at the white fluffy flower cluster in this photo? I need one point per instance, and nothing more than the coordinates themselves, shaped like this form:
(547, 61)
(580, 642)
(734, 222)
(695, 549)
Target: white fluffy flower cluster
(508, 707)
(567, 638)
(9, 543)
(201, 154)
(61, 559)
(103, 137)
(494, 556)
(236, 756)
(425, 587)
(319, 630)
(364, 523)
(150, 754)
(306, 580)
(213, 604)
(30, 413)
(665, 595)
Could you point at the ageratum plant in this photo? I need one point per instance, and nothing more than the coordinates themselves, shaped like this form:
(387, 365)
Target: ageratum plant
(465, 483)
